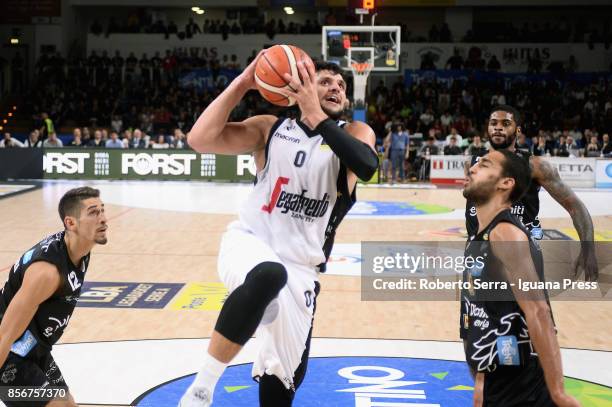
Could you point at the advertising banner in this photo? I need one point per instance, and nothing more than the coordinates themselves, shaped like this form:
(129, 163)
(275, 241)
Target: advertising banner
(603, 174)
(67, 163)
(575, 172)
(447, 169)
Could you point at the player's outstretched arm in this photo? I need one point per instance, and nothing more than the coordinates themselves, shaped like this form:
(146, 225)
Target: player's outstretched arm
(547, 176)
(511, 246)
(211, 133)
(40, 281)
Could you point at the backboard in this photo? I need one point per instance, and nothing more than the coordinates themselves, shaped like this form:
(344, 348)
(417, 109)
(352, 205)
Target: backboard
(377, 44)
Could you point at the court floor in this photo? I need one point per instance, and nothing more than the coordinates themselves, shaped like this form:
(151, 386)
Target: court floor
(153, 296)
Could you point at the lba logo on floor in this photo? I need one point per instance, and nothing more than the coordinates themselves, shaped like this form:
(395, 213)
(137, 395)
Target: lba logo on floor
(344, 381)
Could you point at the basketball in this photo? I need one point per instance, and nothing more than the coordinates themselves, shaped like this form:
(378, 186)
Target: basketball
(275, 62)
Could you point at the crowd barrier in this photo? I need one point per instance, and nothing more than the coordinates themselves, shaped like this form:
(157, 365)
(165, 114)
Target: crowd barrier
(576, 172)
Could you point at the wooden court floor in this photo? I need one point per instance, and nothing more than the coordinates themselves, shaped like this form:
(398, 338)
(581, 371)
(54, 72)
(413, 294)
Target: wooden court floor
(152, 245)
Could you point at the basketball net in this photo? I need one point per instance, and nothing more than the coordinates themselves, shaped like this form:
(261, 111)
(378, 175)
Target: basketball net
(361, 71)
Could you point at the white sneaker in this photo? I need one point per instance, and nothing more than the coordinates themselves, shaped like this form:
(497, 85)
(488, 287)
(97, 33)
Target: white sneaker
(196, 397)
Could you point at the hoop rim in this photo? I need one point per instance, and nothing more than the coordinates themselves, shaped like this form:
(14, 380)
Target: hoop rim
(361, 68)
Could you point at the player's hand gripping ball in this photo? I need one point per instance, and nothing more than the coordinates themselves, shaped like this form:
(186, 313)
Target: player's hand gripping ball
(271, 66)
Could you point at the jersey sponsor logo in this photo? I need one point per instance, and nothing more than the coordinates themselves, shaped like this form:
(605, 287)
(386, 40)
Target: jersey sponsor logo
(73, 280)
(57, 324)
(25, 344)
(299, 205)
(287, 138)
(27, 256)
(517, 209)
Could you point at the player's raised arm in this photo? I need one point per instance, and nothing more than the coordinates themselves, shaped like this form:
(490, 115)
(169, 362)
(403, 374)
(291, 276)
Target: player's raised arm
(547, 176)
(356, 152)
(39, 283)
(211, 133)
(511, 247)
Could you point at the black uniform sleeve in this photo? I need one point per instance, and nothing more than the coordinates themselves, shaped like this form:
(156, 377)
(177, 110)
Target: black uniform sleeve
(356, 155)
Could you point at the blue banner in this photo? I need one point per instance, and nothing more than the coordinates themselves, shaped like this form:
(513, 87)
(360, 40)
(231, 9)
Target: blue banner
(206, 79)
(415, 76)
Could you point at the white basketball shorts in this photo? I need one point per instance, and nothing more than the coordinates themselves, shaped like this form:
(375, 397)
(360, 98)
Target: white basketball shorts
(284, 329)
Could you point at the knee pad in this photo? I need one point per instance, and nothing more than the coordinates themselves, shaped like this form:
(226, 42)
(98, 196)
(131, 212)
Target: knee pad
(244, 308)
(266, 279)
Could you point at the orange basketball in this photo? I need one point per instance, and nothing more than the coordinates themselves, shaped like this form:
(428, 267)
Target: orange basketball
(270, 68)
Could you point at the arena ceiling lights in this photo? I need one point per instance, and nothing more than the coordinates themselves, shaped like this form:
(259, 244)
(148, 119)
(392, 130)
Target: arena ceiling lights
(197, 10)
(289, 10)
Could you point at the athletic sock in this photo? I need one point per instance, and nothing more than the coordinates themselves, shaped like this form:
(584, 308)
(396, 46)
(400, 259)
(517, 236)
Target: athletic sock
(210, 373)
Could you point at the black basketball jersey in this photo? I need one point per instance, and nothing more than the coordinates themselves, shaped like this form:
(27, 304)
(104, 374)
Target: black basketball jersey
(526, 208)
(53, 315)
(495, 332)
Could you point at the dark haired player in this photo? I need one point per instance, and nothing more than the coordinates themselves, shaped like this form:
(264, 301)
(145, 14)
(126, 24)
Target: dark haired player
(509, 336)
(40, 295)
(504, 127)
(269, 259)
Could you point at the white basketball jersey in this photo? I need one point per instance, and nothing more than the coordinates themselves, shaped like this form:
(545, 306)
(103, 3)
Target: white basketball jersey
(294, 206)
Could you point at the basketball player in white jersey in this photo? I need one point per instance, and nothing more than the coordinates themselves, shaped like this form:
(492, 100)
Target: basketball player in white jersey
(269, 259)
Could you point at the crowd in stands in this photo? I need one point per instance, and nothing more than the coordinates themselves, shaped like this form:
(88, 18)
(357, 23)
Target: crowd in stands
(145, 20)
(256, 25)
(99, 138)
(114, 101)
(559, 119)
(580, 31)
(127, 93)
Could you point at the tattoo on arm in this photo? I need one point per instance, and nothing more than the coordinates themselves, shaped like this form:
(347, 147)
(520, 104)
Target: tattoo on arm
(549, 178)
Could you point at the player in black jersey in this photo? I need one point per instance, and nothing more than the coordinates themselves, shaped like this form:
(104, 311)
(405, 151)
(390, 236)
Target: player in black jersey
(504, 126)
(40, 294)
(510, 340)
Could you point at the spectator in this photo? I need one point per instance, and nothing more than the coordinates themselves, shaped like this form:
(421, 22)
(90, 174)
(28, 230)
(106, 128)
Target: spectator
(606, 150)
(455, 62)
(592, 149)
(52, 141)
(33, 139)
(117, 123)
(493, 65)
(498, 98)
(399, 144)
(522, 144)
(97, 141)
(9, 142)
(426, 118)
(452, 148)
(47, 126)
(117, 64)
(562, 149)
(446, 120)
(454, 134)
(114, 141)
(476, 148)
(427, 150)
(138, 140)
(541, 148)
(160, 144)
(179, 139)
(76, 138)
(86, 136)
